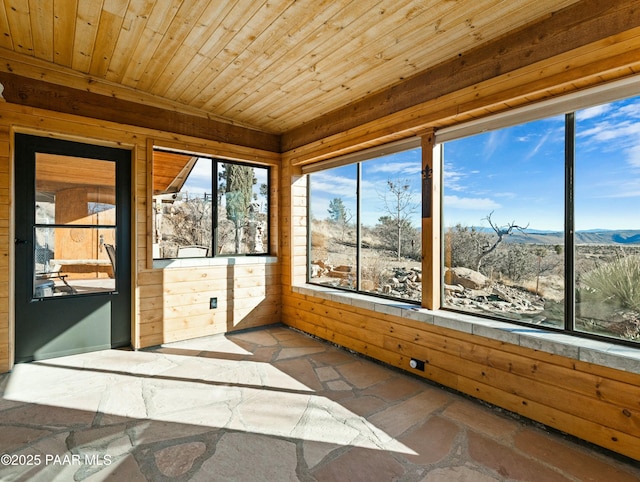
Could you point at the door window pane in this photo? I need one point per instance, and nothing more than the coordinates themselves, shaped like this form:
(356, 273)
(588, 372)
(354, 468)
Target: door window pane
(72, 190)
(75, 222)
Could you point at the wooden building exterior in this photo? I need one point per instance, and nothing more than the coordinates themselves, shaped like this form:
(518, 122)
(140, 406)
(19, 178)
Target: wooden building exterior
(585, 44)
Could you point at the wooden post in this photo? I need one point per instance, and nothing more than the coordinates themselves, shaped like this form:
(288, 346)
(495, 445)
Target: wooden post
(431, 243)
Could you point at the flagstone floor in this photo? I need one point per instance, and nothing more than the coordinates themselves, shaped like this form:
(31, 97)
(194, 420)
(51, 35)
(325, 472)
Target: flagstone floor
(266, 405)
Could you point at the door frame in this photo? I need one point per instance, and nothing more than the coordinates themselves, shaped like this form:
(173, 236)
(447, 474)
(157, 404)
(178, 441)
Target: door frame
(131, 238)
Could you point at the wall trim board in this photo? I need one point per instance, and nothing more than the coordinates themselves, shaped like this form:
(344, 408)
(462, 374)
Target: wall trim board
(37, 93)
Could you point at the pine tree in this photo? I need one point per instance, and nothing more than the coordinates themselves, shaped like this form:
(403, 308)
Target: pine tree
(237, 183)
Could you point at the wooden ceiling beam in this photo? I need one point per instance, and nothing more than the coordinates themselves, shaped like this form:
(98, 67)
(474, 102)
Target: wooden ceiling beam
(576, 26)
(44, 95)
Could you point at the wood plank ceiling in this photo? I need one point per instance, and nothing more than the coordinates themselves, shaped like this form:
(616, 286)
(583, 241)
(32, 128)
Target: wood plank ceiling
(272, 65)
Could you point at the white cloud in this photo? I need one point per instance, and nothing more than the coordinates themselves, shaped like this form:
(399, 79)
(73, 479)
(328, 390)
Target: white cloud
(452, 177)
(539, 145)
(396, 168)
(633, 155)
(337, 185)
(478, 204)
(592, 112)
(494, 141)
(630, 110)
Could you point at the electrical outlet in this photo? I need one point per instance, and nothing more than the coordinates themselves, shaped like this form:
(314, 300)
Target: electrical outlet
(213, 303)
(416, 364)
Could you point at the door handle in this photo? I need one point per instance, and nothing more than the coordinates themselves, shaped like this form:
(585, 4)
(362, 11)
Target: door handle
(21, 241)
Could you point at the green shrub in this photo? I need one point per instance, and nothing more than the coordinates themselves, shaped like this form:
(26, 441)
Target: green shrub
(616, 282)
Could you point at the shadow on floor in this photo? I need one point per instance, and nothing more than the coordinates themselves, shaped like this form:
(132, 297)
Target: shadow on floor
(265, 405)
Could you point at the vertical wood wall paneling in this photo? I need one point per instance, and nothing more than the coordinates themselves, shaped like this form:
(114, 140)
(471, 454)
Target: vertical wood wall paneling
(258, 303)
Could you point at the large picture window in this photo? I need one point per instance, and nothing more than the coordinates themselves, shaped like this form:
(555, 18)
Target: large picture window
(541, 224)
(364, 226)
(206, 207)
(503, 213)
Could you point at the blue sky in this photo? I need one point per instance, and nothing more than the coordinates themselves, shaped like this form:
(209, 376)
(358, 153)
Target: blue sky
(341, 183)
(199, 180)
(517, 174)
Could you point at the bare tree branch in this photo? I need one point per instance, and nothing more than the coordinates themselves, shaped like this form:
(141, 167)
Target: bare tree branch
(501, 232)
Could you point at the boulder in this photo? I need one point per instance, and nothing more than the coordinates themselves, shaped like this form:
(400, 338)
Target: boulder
(468, 278)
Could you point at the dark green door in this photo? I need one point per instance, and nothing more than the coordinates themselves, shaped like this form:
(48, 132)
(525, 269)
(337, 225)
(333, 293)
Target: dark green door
(72, 247)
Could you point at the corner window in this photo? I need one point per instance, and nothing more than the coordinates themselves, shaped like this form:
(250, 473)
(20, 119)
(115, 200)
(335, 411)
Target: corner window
(206, 207)
(541, 222)
(364, 226)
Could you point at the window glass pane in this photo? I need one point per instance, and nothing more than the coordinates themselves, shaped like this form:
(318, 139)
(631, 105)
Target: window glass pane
(72, 190)
(391, 226)
(243, 193)
(503, 218)
(607, 196)
(332, 217)
(183, 216)
(73, 260)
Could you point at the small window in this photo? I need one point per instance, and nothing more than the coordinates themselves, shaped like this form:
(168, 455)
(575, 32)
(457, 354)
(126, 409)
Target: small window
(205, 207)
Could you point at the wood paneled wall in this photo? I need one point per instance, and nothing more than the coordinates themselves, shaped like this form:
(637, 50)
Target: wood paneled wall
(168, 304)
(597, 404)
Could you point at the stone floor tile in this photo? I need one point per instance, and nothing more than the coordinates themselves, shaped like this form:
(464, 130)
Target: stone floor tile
(396, 388)
(14, 437)
(52, 417)
(8, 404)
(325, 421)
(250, 457)
(124, 399)
(363, 374)
(432, 441)
(314, 452)
(201, 409)
(508, 462)
(298, 352)
(95, 436)
(581, 463)
(177, 460)
(360, 465)
(265, 354)
(482, 419)
(269, 412)
(364, 405)
(125, 468)
(255, 337)
(291, 375)
(458, 474)
(326, 373)
(332, 357)
(148, 432)
(398, 418)
(302, 372)
(339, 386)
(289, 338)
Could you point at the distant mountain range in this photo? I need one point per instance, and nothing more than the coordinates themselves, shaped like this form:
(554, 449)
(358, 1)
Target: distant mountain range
(592, 236)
